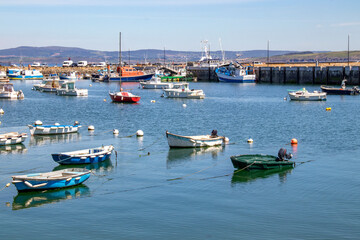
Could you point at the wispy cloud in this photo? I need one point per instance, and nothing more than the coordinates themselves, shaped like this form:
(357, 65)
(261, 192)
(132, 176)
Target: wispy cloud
(121, 2)
(347, 24)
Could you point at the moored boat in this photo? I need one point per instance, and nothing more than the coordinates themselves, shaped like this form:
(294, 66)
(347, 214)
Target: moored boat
(259, 161)
(68, 88)
(73, 76)
(343, 90)
(179, 141)
(18, 74)
(130, 74)
(182, 90)
(234, 74)
(304, 95)
(12, 138)
(92, 155)
(51, 180)
(39, 129)
(7, 91)
(155, 83)
(124, 97)
(48, 85)
(3, 77)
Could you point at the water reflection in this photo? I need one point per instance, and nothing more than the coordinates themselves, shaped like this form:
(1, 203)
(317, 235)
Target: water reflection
(37, 199)
(40, 140)
(13, 149)
(177, 156)
(98, 168)
(249, 176)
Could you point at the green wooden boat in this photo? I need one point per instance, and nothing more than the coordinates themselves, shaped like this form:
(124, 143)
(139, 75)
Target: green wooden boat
(259, 161)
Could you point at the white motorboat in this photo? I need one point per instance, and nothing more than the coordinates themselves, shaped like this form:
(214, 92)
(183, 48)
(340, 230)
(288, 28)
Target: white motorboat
(12, 138)
(68, 88)
(178, 141)
(7, 91)
(39, 129)
(155, 83)
(69, 76)
(182, 90)
(3, 77)
(304, 95)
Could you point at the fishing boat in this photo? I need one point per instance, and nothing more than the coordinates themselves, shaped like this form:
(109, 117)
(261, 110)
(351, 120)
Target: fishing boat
(91, 155)
(259, 161)
(343, 90)
(48, 85)
(51, 180)
(39, 129)
(182, 90)
(233, 74)
(69, 76)
(68, 88)
(178, 141)
(123, 96)
(12, 138)
(130, 74)
(19, 74)
(155, 83)
(7, 91)
(304, 95)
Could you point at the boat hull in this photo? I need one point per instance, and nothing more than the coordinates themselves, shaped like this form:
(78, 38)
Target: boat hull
(138, 78)
(319, 97)
(76, 92)
(196, 94)
(53, 180)
(177, 141)
(236, 79)
(53, 129)
(339, 91)
(23, 77)
(124, 99)
(259, 162)
(86, 156)
(12, 138)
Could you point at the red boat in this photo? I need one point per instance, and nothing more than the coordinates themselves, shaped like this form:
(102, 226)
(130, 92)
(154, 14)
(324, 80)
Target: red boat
(124, 97)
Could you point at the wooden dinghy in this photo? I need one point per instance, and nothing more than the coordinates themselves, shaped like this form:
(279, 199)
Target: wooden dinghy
(51, 180)
(91, 155)
(12, 138)
(39, 129)
(178, 141)
(259, 161)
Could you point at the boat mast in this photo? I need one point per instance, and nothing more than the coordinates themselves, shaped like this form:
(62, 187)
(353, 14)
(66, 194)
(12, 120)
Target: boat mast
(120, 73)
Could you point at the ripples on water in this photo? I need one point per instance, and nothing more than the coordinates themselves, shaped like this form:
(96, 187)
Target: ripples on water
(136, 196)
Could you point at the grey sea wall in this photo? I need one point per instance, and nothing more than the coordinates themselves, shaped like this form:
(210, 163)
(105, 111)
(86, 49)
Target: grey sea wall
(308, 75)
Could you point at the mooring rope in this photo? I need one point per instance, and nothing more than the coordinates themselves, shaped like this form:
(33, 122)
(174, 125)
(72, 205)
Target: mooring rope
(141, 149)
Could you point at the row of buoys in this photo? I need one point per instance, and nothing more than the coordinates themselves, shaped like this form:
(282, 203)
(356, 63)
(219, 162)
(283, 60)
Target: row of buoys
(139, 133)
(294, 141)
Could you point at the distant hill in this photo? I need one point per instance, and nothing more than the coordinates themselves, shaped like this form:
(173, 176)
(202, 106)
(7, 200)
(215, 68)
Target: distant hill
(315, 56)
(56, 55)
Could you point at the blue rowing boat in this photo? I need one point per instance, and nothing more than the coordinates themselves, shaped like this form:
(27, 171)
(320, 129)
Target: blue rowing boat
(51, 180)
(86, 156)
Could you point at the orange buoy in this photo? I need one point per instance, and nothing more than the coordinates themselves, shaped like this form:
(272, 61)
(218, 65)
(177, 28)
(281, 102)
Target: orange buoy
(294, 141)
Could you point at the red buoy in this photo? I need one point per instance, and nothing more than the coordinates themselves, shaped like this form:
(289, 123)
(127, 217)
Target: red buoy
(294, 141)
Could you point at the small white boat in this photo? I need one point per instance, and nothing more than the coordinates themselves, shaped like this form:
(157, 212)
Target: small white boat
(182, 90)
(69, 76)
(12, 138)
(7, 91)
(51, 180)
(155, 83)
(178, 141)
(48, 85)
(68, 89)
(3, 77)
(39, 129)
(304, 95)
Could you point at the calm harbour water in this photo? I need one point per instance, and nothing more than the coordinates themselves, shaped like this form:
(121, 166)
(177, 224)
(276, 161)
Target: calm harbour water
(133, 197)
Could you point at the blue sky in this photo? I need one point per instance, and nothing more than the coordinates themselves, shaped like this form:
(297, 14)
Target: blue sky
(302, 25)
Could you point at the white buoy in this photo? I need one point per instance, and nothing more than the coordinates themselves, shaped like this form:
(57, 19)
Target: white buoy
(184, 105)
(285, 98)
(250, 140)
(152, 101)
(139, 133)
(2, 111)
(57, 124)
(38, 122)
(91, 128)
(90, 85)
(115, 132)
(226, 140)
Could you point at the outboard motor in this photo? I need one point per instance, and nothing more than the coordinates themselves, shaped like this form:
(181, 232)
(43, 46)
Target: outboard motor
(214, 133)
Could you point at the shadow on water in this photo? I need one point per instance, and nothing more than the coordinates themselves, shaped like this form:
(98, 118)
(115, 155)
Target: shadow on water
(13, 149)
(253, 175)
(101, 167)
(41, 140)
(39, 198)
(178, 156)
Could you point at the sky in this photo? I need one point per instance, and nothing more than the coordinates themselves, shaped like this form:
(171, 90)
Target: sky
(296, 25)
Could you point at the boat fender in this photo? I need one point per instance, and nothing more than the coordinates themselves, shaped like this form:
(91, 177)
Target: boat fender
(78, 178)
(34, 186)
(68, 179)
